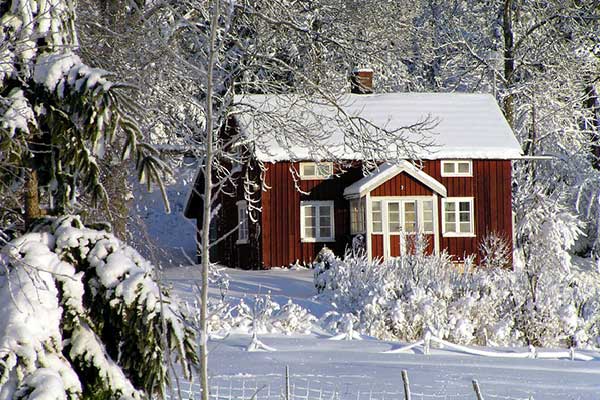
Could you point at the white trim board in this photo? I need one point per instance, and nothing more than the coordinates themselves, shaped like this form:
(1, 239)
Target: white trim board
(387, 171)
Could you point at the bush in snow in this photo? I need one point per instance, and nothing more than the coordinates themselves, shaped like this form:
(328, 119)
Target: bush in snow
(408, 296)
(259, 315)
(83, 316)
(495, 251)
(292, 318)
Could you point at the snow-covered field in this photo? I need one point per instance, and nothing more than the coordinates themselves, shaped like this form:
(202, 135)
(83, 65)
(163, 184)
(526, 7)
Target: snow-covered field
(360, 369)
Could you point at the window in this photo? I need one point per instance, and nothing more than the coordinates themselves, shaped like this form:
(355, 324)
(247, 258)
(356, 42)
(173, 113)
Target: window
(410, 216)
(376, 216)
(316, 221)
(457, 168)
(357, 216)
(313, 170)
(427, 225)
(393, 210)
(458, 217)
(242, 222)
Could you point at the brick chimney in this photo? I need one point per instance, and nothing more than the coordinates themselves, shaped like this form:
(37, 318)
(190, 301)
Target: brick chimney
(361, 81)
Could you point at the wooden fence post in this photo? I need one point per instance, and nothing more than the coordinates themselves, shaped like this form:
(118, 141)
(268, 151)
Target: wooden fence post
(477, 389)
(427, 343)
(287, 382)
(406, 385)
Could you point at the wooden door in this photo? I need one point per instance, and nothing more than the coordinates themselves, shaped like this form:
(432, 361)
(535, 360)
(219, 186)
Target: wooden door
(400, 224)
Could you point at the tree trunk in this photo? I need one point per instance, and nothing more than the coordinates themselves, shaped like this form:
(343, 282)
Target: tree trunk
(32, 197)
(207, 215)
(592, 103)
(509, 60)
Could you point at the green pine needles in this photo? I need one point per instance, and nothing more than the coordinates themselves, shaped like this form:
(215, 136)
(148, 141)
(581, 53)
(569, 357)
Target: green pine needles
(87, 318)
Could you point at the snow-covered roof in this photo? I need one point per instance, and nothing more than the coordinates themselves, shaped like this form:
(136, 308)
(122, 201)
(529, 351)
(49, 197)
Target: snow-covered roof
(387, 171)
(467, 125)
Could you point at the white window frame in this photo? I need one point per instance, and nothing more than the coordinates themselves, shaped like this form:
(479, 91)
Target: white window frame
(317, 166)
(455, 163)
(317, 204)
(458, 200)
(243, 228)
(382, 221)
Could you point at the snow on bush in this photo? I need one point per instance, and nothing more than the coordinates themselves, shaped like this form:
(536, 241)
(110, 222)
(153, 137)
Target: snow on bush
(256, 315)
(82, 315)
(404, 298)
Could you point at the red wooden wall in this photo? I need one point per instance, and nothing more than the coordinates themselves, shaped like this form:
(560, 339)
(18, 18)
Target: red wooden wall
(490, 186)
(275, 240)
(281, 244)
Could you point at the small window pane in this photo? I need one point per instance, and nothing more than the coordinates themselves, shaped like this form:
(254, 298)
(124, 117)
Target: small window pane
(410, 217)
(464, 217)
(325, 210)
(428, 205)
(324, 221)
(325, 232)
(448, 168)
(465, 227)
(450, 217)
(428, 216)
(308, 169)
(410, 226)
(325, 170)
(376, 206)
(309, 211)
(428, 226)
(377, 217)
(450, 227)
(463, 167)
(450, 207)
(310, 232)
(393, 207)
(464, 206)
(395, 227)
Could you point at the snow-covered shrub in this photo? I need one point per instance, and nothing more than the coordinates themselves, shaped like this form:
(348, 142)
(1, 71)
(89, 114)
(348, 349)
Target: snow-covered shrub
(406, 297)
(83, 315)
(217, 277)
(292, 318)
(495, 251)
(259, 314)
(322, 269)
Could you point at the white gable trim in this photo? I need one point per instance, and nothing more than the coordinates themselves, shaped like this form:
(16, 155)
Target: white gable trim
(387, 171)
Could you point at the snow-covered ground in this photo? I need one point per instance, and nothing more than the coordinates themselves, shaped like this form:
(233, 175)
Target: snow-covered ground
(360, 369)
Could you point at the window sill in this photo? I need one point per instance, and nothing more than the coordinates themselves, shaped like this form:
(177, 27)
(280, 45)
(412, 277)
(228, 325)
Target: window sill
(303, 240)
(456, 175)
(450, 234)
(241, 241)
(315, 178)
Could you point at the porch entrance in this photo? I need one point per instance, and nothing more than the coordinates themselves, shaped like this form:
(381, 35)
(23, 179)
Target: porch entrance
(401, 220)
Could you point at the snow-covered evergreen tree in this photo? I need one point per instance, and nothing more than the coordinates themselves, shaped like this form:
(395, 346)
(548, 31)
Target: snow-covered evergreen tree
(57, 114)
(83, 317)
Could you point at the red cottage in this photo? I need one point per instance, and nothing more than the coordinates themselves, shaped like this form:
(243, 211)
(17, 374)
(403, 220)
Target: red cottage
(458, 193)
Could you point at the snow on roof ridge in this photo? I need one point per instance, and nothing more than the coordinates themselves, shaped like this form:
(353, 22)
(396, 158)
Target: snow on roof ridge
(387, 171)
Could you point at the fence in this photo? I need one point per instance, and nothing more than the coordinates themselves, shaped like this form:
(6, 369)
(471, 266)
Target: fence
(288, 386)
